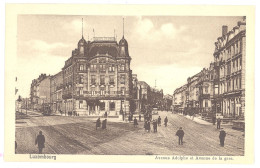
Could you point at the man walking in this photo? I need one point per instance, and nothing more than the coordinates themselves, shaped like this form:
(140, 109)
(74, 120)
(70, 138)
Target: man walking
(180, 134)
(98, 123)
(165, 121)
(159, 121)
(154, 126)
(222, 135)
(140, 117)
(104, 124)
(218, 123)
(40, 140)
(135, 122)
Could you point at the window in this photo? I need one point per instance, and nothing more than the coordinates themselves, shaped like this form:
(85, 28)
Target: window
(81, 104)
(81, 79)
(93, 79)
(102, 106)
(122, 90)
(206, 89)
(112, 106)
(81, 67)
(102, 92)
(102, 79)
(111, 68)
(122, 79)
(81, 90)
(111, 80)
(102, 68)
(122, 68)
(93, 68)
(240, 63)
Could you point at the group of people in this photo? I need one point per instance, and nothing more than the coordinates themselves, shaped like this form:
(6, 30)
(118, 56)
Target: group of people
(155, 122)
(103, 125)
(74, 113)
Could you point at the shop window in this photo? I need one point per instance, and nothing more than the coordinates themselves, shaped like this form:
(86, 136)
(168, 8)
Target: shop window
(102, 106)
(112, 106)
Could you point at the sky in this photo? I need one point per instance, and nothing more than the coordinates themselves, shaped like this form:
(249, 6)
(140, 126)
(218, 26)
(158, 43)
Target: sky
(168, 49)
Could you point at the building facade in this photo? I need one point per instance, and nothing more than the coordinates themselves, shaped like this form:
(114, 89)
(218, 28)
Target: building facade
(229, 81)
(97, 78)
(56, 86)
(40, 91)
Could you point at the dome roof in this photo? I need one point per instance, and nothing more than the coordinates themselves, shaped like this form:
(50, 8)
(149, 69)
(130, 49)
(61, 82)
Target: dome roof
(82, 41)
(123, 41)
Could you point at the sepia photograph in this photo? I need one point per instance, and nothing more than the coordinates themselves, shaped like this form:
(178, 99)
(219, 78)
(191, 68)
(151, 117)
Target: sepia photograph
(167, 87)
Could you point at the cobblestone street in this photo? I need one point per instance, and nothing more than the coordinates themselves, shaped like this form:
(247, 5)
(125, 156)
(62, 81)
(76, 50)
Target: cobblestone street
(77, 135)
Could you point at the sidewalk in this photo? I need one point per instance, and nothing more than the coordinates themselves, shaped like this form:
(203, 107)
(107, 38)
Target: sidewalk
(227, 128)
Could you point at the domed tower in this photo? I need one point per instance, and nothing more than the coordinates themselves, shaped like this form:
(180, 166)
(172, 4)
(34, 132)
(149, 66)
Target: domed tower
(123, 45)
(81, 46)
(123, 48)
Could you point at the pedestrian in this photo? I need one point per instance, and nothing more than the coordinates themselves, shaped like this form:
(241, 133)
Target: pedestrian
(159, 121)
(98, 123)
(129, 118)
(154, 126)
(140, 117)
(148, 126)
(218, 123)
(145, 125)
(104, 124)
(105, 115)
(15, 146)
(135, 122)
(40, 140)
(165, 121)
(214, 119)
(222, 135)
(180, 134)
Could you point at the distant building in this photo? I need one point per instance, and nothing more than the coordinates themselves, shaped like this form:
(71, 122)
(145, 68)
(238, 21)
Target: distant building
(167, 102)
(40, 91)
(56, 84)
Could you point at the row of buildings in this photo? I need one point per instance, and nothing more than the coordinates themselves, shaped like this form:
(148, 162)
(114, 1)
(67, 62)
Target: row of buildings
(220, 88)
(95, 79)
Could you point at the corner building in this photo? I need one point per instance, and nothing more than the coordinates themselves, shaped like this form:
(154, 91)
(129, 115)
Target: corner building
(97, 78)
(229, 81)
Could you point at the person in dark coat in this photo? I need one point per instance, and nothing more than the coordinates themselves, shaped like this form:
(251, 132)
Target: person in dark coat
(154, 126)
(222, 135)
(148, 126)
(98, 123)
(140, 117)
(218, 123)
(180, 134)
(15, 146)
(104, 124)
(145, 125)
(40, 140)
(159, 121)
(105, 115)
(165, 121)
(214, 120)
(135, 122)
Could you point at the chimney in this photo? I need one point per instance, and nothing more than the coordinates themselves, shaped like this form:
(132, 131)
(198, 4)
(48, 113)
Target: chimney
(224, 30)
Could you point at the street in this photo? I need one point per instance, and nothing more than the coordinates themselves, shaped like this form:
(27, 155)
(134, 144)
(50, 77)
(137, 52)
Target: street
(77, 135)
